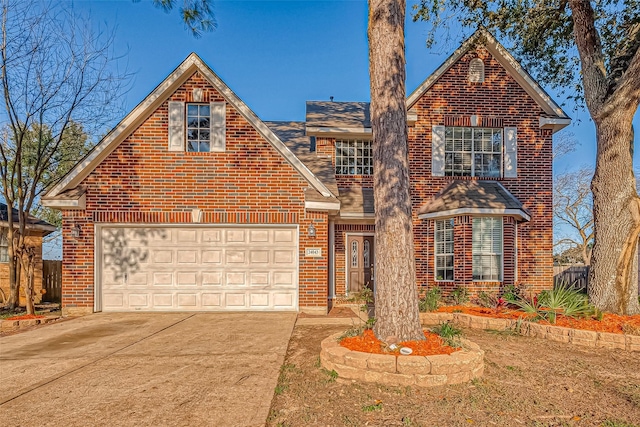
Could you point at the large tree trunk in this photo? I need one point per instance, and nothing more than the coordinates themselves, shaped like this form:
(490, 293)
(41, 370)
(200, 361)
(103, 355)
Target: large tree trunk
(613, 277)
(396, 294)
(613, 280)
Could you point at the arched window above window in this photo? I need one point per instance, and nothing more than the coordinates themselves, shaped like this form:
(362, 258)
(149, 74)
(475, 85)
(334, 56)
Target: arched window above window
(476, 71)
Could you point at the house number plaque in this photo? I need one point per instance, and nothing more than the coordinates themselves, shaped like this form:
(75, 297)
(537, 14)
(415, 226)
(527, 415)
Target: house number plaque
(313, 252)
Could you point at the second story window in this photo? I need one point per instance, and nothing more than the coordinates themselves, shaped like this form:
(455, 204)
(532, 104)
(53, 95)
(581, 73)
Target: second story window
(470, 151)
(354, 157)
(198, 128)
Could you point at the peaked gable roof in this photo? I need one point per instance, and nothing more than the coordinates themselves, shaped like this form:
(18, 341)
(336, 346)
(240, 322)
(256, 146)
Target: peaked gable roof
(505, 59)
(143, 110)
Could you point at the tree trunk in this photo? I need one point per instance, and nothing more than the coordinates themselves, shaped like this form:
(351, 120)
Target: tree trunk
(27, 261)
(396, 294)
(613, 277)
(14, 276)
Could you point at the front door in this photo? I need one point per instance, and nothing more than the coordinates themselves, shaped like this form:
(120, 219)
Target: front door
(360, 263)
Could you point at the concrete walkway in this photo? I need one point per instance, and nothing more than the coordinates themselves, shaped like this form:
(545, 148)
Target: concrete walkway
(139, 369)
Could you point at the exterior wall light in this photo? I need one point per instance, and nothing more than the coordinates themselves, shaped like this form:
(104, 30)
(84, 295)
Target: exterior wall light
(311, 231)
(76, 231)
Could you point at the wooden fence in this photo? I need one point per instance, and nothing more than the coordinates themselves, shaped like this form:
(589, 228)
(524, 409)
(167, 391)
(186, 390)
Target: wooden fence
(571, 275)
(52, 280)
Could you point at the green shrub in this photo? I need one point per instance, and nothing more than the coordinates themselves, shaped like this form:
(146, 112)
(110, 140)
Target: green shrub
(460, 295)
(511, 293)
(431, 300)
(449, 333)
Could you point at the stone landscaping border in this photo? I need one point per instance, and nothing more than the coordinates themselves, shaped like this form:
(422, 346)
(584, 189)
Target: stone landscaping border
(12, 325)
(533, 329)
(424, 371)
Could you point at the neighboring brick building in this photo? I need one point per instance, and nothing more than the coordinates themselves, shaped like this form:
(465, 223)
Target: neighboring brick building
(193, 203)
(36, 230)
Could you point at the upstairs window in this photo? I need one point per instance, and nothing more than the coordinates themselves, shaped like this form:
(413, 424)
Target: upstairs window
(198, 128)
(487, 248)
(4, 248)
(470, 151)
(444, 249)
(354, 157)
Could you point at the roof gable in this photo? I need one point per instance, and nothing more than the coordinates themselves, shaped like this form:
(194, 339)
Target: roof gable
(510, 64)
(143, 110)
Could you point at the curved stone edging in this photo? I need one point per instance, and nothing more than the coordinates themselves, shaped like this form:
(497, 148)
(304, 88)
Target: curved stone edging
(424, 371)
(532, 329)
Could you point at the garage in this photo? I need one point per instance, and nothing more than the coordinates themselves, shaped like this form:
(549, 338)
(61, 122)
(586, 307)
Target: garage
(232, 268)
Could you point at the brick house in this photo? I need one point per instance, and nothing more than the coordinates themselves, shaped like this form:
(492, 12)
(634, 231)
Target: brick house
(36, 230)
(193, 203)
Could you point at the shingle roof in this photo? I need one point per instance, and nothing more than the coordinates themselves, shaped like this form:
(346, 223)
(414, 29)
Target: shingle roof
(32, 221)
(338, 114)
(294, 137)
(356, 200)
(474, 197)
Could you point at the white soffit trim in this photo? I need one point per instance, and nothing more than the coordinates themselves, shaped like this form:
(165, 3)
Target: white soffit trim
(356, 215)
(140, 113)
(322, 206)
(66, 204)
(554, 124)
(512, 66)
(333, 131)
(518, 213)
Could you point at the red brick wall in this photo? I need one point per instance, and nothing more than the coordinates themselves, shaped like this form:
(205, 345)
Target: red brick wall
(141, 181)
(452, 98)
(499, 102)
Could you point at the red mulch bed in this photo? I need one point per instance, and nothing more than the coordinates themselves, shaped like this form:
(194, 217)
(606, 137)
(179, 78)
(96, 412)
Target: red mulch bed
(26, 317)
(368, 343)
(612, 323)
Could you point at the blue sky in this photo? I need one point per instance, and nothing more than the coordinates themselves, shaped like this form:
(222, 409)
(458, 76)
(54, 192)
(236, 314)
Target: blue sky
(278, 54)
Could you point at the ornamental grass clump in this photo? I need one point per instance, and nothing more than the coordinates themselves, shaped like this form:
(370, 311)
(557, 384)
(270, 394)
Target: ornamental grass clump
(562, 300)
(449, 333)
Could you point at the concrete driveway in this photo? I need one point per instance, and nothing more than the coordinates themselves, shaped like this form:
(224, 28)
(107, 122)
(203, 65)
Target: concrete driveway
(169, 369)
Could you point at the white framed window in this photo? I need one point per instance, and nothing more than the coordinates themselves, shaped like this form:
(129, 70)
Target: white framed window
(198, 128)
(354, 157)
(4, 248)
(443, 239)
(470, 151)
(487, 248)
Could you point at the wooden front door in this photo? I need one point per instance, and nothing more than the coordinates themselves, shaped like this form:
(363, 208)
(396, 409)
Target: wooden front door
(360, 262)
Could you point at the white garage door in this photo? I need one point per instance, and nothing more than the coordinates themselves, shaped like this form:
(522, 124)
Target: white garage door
(198, 269)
